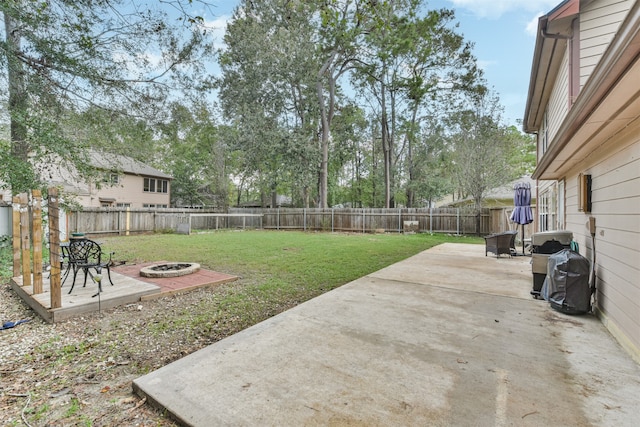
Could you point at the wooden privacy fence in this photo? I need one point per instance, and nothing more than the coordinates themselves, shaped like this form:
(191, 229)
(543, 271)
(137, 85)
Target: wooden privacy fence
(124, 221)
(442, 220)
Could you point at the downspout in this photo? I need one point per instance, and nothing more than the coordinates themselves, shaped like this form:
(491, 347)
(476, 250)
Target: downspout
(569, 37)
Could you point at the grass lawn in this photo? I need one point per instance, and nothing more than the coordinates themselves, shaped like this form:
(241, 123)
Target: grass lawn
(293, 261)
(278, 269)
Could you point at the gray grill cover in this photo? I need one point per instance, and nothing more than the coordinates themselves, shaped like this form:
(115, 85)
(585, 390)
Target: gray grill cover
(566, 286)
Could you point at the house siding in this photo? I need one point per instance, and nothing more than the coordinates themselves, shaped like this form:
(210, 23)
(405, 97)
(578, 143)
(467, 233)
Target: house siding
(599, 22)
(616, 208)
(558, 106)
(128, 190)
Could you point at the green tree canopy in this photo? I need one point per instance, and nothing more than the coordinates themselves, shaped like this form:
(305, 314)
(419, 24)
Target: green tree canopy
(60, 58)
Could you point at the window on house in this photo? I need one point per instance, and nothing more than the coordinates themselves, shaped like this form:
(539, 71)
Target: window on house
(553, 209)
(151, 185)
(111, 178)
(106, 202)
(544, 133)
(561, 197)
(551, 206)
(123, 205)
(543, 212)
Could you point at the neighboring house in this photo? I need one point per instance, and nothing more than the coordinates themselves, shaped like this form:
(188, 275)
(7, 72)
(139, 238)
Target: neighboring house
(281, 202)
(499, 197)
(125, 183)
(584, 107)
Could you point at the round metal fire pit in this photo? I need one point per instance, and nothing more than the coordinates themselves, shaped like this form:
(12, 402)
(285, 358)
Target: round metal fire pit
(169, 269)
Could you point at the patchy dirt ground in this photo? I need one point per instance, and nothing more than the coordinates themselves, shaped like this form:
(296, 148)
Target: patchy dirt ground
(79, 372)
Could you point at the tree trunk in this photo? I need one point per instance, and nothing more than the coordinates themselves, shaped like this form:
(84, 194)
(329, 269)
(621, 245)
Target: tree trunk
(326, 114)
(478, 203)
(410, 191)
(386, 148)
(17, 94)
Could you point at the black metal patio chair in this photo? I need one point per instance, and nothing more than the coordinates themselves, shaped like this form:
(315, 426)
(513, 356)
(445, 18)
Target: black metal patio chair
(85, 255)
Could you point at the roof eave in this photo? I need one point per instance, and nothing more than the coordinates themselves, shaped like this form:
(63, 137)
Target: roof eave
(529, 121)
(546, 59)
(620, 57)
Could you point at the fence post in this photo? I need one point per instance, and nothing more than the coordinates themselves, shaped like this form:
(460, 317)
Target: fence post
(304, 219)
(399, 220)
(54, 248)
(430, 220)
(458, 220)
(36, 231)
(25, 240)
(127, 221)
(15, 218)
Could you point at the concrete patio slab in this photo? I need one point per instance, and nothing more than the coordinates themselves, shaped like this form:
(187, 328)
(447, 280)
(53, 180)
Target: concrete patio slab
(445, 338)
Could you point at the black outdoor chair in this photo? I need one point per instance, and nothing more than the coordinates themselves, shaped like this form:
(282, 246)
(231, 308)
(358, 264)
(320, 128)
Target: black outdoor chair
(85, 255)
(501, 243)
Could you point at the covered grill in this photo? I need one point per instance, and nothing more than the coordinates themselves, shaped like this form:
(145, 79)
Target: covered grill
(543, 245)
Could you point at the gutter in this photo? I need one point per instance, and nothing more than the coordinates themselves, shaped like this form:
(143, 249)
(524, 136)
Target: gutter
(533, 77)
(556, 36)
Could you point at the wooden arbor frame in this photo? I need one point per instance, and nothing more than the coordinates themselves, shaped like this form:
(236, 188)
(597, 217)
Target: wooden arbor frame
(27, 226)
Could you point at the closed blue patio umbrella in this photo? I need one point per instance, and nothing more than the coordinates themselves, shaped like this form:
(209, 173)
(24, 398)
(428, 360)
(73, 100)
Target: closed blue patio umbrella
(522, 206)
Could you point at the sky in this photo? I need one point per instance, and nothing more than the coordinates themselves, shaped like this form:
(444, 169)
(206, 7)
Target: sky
(503, 34)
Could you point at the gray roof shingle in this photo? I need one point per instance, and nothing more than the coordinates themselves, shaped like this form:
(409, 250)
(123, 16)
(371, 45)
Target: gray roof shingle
(125, 164)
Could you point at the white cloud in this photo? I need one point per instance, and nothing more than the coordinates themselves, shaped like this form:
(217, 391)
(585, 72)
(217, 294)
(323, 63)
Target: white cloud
(532, 26)
(496, 8)
(484, 64)
(217, 28)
